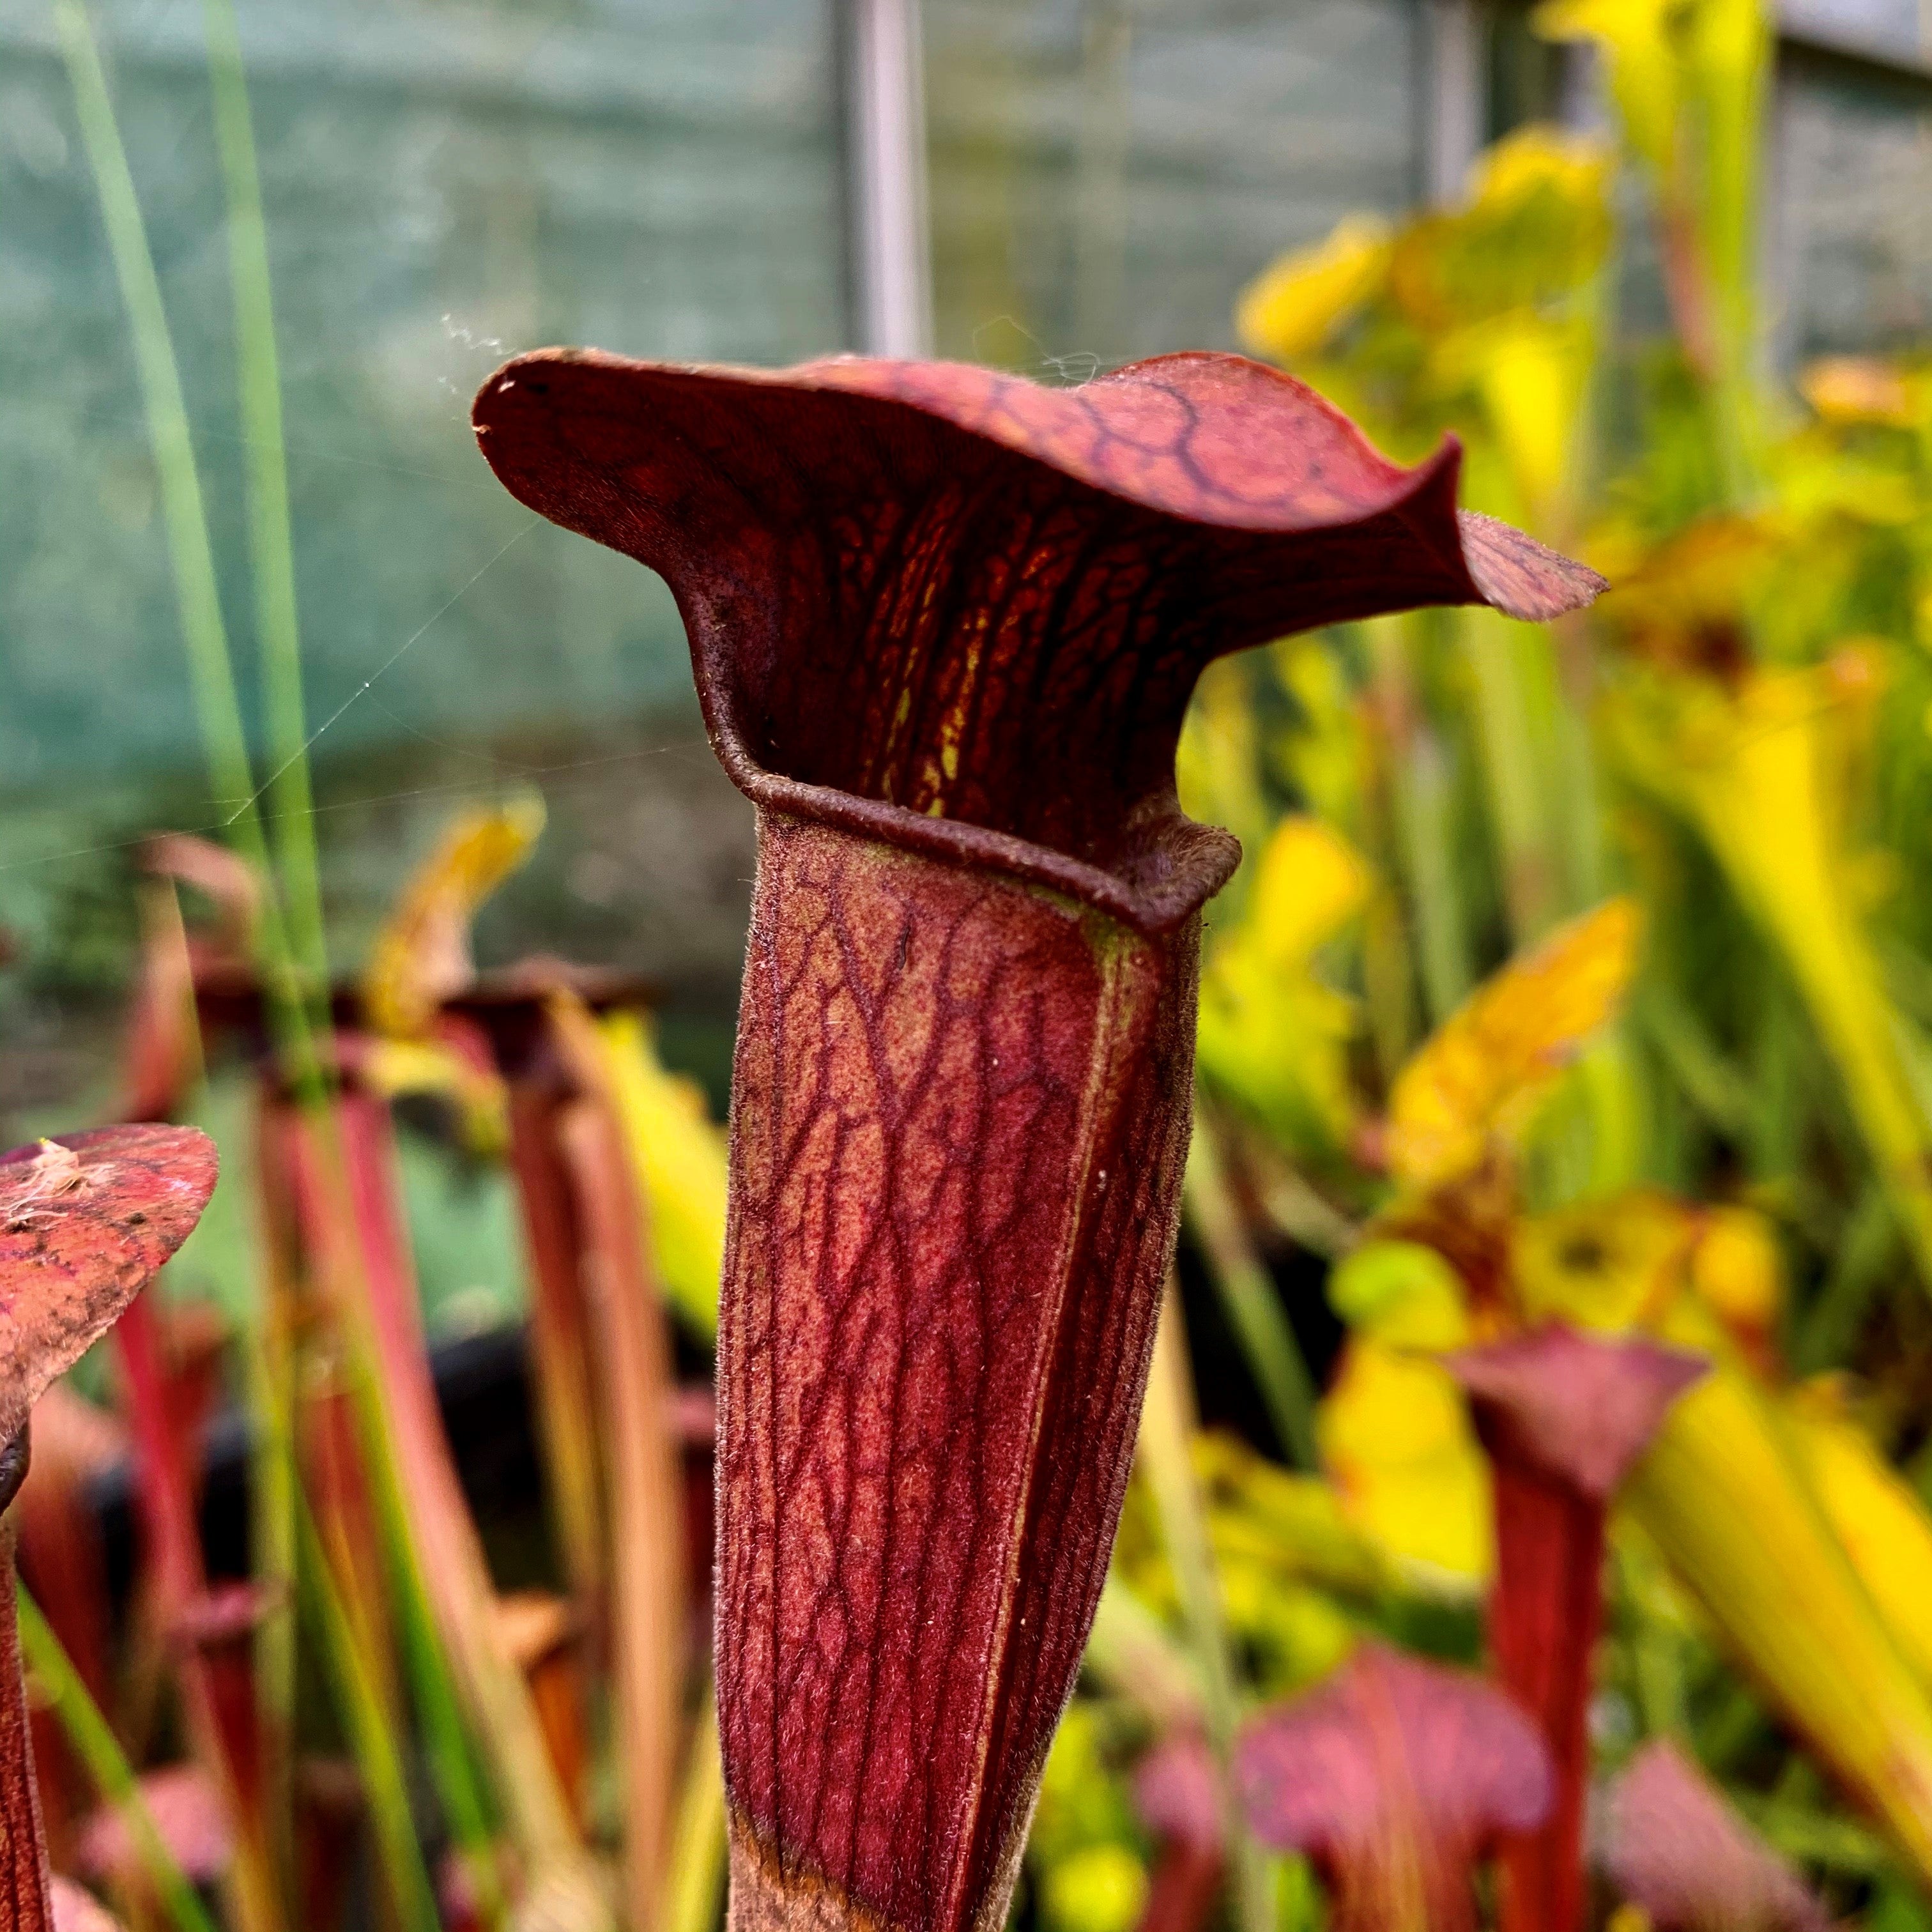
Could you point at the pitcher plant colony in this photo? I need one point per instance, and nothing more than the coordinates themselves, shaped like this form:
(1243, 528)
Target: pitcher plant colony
(1314, 1307)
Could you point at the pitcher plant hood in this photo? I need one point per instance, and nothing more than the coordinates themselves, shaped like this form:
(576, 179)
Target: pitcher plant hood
(945, 624)
(85, 1221)
(1396, 1776)
(964, 612)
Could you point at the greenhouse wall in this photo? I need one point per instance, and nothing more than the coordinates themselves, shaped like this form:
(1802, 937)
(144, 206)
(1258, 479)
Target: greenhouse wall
(447, 183)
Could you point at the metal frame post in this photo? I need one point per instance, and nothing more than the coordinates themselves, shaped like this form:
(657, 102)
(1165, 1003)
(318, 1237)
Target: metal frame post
(888, 229)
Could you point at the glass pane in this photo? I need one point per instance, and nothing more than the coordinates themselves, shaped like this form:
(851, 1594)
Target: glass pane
(1856, 162)
(445, 183)
(1105, 177)
(1881, 26)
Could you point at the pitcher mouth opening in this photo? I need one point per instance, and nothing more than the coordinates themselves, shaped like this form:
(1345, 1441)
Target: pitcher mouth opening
(1160, 879)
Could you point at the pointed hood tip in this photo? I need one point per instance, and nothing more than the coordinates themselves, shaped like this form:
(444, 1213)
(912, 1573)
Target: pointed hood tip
(1521, 577)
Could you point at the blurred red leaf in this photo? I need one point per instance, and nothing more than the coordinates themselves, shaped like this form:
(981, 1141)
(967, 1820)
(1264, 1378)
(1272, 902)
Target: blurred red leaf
(1574, 1410)
(63, 1559)
(1178, 1791)
(1673, 1845)
(84, 1223)
(1395, 1777)
(223, 878)
(189, 1813)
(77, 1909)
(632, 1357)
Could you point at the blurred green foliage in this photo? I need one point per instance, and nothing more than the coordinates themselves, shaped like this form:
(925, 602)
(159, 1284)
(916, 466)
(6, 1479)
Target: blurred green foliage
(1718, 1128)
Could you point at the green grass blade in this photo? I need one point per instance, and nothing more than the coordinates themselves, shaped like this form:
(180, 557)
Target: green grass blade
(698, 1853)
(191, 559)
(184, 513)
(289, 802)
(95, 1745)
(1247, 1292)
(1494, 658)
(1421, 804)
(1699, 1067)
(271, 535)
(1868, 1247)
(377, 1758)
(451, 1762)
(435, 1558)
(1167, 1429)
(190, 552)
(269, 1364)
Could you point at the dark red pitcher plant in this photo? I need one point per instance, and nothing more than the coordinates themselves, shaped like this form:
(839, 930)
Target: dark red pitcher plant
(85, 1221)
(945, 623)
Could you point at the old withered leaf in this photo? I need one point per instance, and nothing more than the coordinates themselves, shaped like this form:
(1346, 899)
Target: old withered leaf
(1486, 1065)
(421, 957)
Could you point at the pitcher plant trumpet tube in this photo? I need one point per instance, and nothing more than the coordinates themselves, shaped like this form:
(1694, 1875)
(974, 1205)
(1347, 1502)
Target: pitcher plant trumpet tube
(945, 623)
(1564, 1417)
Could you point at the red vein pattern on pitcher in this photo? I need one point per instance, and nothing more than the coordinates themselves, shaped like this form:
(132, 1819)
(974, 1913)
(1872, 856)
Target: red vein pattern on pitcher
(958, 1155)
